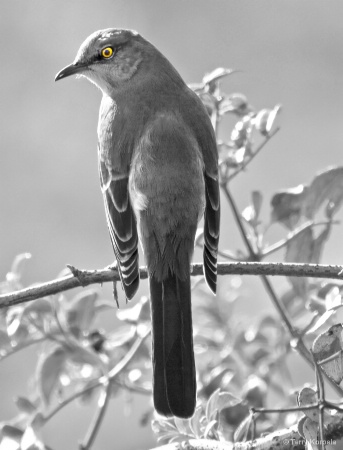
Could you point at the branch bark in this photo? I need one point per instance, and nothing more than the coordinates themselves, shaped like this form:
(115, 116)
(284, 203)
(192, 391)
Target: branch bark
(87, 277)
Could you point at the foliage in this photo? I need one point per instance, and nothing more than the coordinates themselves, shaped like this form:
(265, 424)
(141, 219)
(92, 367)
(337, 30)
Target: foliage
(242, 363)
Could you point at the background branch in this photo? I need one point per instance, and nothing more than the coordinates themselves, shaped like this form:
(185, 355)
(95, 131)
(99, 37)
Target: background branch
(297, 343)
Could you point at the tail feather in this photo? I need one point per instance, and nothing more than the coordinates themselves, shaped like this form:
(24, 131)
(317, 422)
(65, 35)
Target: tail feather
(173, 357)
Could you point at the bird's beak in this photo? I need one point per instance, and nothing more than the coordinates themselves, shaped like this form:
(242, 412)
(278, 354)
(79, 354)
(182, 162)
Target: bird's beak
(72, 69)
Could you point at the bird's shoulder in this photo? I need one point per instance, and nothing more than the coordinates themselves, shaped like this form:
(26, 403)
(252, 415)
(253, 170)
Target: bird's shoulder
(195, 115)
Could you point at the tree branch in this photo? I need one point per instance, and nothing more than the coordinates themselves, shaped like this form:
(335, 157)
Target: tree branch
(109, 275)
(286, 439)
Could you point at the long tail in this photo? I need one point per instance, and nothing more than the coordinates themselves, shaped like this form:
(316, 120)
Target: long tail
(174, 375)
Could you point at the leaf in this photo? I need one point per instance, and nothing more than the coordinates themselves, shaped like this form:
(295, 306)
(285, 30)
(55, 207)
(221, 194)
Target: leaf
(242, 131)
(12, 432)
(19, 263)
(243, 429)
(25, 405)
(210, 428)
(32, 438)
(195, 422)
(333, 302)
(232, 157)
(164, 430)
(287, 206)
(301, 426)
(84, 356)
(41, 306)
(9, 444)
(299, 249)
(325, 288)
(307, 397)
(310, 430)
(17, 329)
(5, 343)
(139, 312)
(257, 199)
(318, 244)
(326, 186)
(209, 101)
(255, 391)
(212, 405)
(10, 438)
(326, 345)
(81, 311)
(305, 248)
(212, 78)
(265, 119)
(235, 103)
(333, 299)
(37, 312)
(227, 400)
(183, 426)
(196, 87)
(321, 321)
(13, 278)
(49, 368)
(119, 338)
(249, 214)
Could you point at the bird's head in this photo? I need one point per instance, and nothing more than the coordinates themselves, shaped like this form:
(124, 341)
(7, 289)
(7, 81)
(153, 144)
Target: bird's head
(109, 58)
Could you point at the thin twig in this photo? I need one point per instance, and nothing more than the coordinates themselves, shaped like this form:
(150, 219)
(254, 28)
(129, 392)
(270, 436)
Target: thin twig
(321, 402)
(255, 257)
(97, 383)
(129, 355)
(284, 242)
(133, 387)
(102, 380)
(230, 256)
(23, 346)
(330, 358)
(98, 418)
(285, 410)
(237, 216)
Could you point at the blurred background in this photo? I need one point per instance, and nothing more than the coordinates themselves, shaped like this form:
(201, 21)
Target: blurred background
(288, 52)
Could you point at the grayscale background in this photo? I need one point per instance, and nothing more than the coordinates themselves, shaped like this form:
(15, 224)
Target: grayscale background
(288, 51)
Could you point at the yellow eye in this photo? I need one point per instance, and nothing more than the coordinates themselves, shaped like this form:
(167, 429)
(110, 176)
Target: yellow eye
(107, 52)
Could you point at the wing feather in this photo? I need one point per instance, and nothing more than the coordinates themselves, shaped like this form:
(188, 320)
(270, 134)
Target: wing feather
(211, 230)
(122, 226)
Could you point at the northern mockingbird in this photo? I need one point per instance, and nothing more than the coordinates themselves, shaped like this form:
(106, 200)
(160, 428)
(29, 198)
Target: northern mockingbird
(159, 173)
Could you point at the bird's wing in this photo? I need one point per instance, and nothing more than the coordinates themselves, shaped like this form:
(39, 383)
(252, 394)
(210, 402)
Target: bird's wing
(205, 135)
(121, 224)
(211, 230)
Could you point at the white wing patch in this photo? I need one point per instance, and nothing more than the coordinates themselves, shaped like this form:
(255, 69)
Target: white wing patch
(139, 201)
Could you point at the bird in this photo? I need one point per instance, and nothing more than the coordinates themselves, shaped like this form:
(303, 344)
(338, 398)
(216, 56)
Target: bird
(158, 167)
